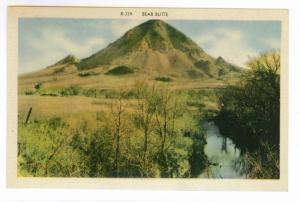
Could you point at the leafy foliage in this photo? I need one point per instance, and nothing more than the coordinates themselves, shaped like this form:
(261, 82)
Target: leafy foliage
(250, 115)
(198, 160)
(44, 149)
(163, 79)
(146, 142)
(120, 70)
(38, 86)
(71, 91)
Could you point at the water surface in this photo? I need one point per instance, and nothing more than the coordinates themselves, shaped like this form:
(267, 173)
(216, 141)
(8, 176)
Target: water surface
(222, 154)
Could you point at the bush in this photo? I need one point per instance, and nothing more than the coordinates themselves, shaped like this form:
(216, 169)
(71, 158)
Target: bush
(175, 162)
(198, 159)
(120, 70)
(202, 64)
(96, 151)
(29, 92)
(71, 91)
(163, 79)
(43, 149)
(38, 86)
(86, 74)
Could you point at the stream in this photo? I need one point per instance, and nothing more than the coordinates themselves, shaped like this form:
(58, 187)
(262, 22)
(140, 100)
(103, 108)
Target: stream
(221, 153)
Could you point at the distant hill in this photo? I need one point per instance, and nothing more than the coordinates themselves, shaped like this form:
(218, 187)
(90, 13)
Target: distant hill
(156, 48)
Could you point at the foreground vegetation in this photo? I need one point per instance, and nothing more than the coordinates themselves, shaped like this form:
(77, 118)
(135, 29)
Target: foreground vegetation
(149, 130)
(249, 115)
(157, 137)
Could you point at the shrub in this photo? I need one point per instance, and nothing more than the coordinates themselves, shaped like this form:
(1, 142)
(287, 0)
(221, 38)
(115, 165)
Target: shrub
(163, 79)
(71, 91)
(29, 93)
(198, 159)
(43, 149)
(38, 86)
(202, 64)
(120, 70)
(86, 74)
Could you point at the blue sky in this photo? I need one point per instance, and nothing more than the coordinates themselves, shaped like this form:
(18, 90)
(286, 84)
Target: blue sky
(44, 41)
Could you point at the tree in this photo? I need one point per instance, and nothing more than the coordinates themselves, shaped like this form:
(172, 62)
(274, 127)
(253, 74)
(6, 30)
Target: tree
(250, 113)
(169, 109)
(147, 103)
(117, 115)
(38, 86)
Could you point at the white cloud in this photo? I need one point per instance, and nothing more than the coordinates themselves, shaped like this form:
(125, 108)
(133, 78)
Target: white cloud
(273, 43)
(57, 40)
(54, 44)
(230, 44)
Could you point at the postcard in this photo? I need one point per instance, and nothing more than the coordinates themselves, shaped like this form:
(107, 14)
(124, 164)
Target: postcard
(147, 98)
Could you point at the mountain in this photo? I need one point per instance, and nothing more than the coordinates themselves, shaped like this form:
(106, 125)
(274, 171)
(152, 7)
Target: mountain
(151, 51)
(156, 48)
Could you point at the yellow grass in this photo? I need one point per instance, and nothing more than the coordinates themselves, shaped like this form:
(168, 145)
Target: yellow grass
(101, 81)
(74, 110)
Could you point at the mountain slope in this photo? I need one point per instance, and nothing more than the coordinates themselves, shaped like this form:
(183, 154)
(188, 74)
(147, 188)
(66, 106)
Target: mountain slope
(69, 59)
(156, 48)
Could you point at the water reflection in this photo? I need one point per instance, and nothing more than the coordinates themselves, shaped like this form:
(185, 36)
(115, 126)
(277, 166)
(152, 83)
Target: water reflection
(222, 154)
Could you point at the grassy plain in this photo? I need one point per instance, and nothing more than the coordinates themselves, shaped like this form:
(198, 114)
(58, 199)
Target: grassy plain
(60, 77)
